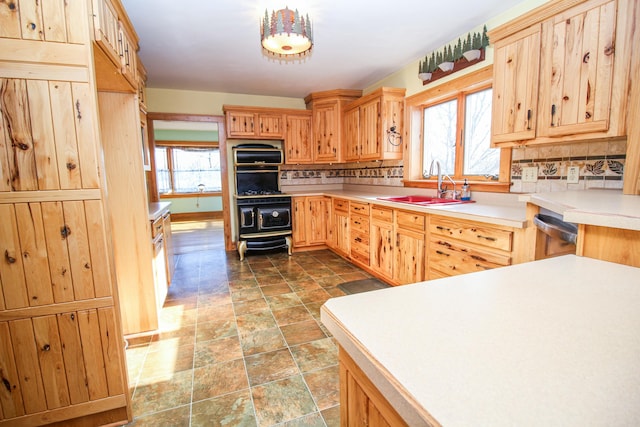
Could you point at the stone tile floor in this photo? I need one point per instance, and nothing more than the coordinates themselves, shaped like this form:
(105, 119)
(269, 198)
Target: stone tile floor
(240, 343)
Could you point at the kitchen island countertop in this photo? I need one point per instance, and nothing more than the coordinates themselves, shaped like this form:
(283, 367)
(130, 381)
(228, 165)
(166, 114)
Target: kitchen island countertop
(606, 208)
(551, 342)
(157, 209)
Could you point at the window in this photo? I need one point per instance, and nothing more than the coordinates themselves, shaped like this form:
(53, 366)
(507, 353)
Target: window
(181, 170)
(457, 133)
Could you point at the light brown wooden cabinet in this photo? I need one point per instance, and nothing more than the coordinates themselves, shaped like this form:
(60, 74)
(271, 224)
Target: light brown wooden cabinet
(61, 342)
(409, 266)
(338, 234)
(368, 122)
(298, 138)
(328, 109)
(361, 403)
(459, 247)
(310, 218)
(583, 52)
(382, 241)
(359, 232)
(254, 122)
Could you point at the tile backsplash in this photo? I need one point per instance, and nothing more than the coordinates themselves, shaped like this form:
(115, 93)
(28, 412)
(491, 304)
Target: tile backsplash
(388, 173)
(601, 165)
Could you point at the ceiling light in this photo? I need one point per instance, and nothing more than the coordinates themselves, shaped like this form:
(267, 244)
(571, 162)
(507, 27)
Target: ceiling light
(286, 34)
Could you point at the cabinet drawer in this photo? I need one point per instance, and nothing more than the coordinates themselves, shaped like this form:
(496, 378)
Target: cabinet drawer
(381, 213)
(156, 228)
(453, 257)
(360, 208)
(360, 224)
(410, 220)
(341, 205)
(476, 233)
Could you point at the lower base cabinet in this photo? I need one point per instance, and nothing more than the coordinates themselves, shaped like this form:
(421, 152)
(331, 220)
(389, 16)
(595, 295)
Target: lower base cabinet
(409, 266)
(310, 215)
(361, 404)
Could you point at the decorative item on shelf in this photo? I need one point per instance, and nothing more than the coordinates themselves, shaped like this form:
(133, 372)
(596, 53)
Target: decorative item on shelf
(393, 136)
(286, 35)
(454, 57)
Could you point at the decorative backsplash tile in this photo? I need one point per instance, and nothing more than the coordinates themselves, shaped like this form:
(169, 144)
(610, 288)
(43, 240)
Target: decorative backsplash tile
(601, 165)
(388, 173)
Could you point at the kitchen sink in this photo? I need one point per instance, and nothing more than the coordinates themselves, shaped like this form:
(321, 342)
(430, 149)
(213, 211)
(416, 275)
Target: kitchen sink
(423, 200)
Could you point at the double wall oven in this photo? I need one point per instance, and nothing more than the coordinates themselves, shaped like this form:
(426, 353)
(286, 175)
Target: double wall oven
(263, 212)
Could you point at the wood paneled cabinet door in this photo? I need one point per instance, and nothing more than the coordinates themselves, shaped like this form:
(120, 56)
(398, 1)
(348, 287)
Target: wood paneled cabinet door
(361, 403)
(371, 130)
(128, 55)
(243, 122)
(107, 29)
(576, 77)
(382, 241)
(298, 139)
(339, 232)
(351, 138)
(326, 132)
(311, 216)
(409, 264)
(516, 66)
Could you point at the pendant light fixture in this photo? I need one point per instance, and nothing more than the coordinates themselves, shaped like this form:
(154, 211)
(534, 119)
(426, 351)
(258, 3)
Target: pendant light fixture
(286, 34)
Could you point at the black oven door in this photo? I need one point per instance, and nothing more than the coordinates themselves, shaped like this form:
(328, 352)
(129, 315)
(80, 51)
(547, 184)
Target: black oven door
(274, 218)
(248, 220)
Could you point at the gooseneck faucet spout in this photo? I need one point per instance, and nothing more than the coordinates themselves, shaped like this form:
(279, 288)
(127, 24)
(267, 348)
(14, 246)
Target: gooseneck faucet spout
(439, 172)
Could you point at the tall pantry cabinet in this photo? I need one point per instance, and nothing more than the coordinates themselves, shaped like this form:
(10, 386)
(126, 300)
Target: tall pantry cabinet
(61, 343)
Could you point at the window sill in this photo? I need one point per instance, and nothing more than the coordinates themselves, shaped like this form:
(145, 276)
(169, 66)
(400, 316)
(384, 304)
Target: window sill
(185, 195)
(490, 187)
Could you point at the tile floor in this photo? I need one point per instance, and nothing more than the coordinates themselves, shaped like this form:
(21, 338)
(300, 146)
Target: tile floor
(241, 343)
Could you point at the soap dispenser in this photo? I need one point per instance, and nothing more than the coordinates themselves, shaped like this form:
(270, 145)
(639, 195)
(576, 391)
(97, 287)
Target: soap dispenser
(466, 193)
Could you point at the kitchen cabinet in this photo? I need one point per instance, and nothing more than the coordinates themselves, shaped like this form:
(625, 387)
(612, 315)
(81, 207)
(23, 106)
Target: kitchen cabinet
(459, 247)
(409, 266)
(368, 121)
(61, 341)
(128, 55)
(310, 220)
(339, 229)
(359, 232)
(106, 29)
(583, 51)
(254, 122)
(361, 403)
(381, 241)
(327, 118)
(168, 245)
(298, 138)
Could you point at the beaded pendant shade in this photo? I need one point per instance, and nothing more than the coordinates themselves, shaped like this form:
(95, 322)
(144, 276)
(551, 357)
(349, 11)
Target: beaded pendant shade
(286, 34)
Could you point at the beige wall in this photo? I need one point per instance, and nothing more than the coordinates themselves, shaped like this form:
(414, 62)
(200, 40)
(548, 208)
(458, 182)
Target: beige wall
(407, 76)
(194, 102)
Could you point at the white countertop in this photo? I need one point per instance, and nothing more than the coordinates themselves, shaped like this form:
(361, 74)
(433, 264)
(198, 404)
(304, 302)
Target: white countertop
(508, 214)
(607, 208)
(553, 342)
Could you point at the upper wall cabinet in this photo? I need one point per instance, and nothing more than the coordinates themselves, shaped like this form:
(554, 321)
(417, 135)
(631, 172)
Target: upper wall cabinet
(328, 109)
(298, 138)
(116, 60)
(367, 126)
(561, 71)
(254, 122)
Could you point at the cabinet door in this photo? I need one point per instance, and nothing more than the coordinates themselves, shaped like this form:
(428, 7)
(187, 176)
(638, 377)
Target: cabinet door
(317, 216)
(168, 245)
(370, 130)
(129, 57)
(298, 140)
(409, 256)
(299, 221)
(270, 126)
(240, 124)
(515, 86)
(106, 30)
(576, 81)
(326, 132)
(341, 230)
(352, 134)
(381, 252)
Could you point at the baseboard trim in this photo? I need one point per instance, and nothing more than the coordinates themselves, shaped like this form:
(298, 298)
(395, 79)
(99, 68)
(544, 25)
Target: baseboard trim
(196, 216)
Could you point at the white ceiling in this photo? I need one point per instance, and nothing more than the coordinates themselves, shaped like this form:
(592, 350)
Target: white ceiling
(214, 45)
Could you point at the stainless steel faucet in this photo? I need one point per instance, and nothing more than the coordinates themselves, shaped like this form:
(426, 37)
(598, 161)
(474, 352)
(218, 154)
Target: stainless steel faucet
(439, 172)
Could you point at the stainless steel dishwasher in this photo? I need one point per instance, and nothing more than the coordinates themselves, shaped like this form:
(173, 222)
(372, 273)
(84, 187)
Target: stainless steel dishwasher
(555, 236)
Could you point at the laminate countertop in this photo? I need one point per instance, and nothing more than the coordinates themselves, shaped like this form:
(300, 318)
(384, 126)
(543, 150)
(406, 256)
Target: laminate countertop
(508, 214)
(157, 209)
(552, 342)
(606, 208)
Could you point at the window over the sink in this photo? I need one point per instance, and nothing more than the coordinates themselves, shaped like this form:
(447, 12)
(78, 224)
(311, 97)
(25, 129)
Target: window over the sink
(451, 123)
